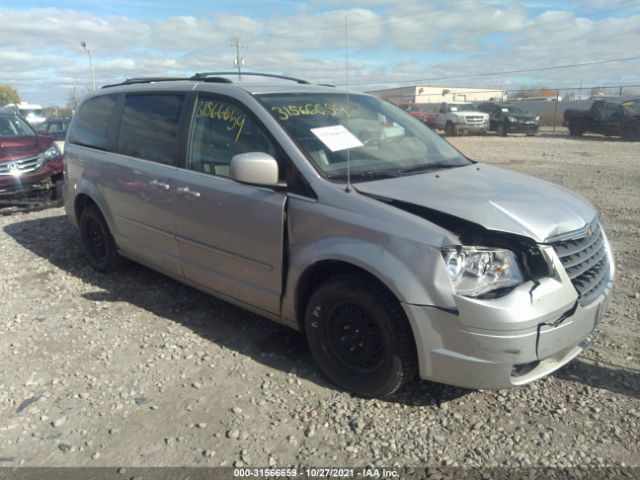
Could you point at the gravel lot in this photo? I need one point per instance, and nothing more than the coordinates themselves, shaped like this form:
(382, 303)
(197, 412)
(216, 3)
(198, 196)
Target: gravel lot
(136, 369)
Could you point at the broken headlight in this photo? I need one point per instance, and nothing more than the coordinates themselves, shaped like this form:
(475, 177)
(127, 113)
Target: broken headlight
(52, 152)
(477, 270)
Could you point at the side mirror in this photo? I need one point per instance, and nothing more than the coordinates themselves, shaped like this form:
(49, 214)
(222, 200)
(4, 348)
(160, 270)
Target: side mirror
(256, 168)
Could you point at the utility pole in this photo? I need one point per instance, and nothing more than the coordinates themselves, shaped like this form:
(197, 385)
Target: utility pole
(238, 60)
(555, 109)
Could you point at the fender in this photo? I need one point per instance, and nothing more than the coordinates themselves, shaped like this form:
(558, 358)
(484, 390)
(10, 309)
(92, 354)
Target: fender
(87, 187)
(423, 282)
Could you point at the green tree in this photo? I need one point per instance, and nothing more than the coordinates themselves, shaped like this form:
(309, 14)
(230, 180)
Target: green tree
(8, 94)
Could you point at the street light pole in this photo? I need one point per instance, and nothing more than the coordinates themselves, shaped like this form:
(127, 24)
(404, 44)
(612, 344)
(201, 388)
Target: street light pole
(83, 44)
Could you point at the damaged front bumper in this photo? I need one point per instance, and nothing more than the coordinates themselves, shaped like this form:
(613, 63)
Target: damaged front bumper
(507, 341)
(32, 183)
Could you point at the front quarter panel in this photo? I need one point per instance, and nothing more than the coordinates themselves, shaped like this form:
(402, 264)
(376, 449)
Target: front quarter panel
(402, 252)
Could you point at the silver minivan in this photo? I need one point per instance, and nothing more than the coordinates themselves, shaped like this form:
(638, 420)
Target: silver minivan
(341, 216)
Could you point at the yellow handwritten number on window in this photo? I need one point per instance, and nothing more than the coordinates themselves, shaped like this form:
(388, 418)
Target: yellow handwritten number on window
(234, 118)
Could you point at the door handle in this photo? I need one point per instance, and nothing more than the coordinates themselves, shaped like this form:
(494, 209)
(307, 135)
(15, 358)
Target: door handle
(158, 184)
(188, 191)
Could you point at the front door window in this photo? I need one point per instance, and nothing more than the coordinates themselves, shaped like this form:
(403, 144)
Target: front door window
(220, 131)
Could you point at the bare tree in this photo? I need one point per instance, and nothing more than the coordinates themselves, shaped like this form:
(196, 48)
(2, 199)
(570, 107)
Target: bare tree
(73, 100)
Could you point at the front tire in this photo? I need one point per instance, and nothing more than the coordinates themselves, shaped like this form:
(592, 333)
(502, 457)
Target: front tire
(631, 133)
(501, 130)
(575, 130)
(97, 242)
(359, 336)
(450, 129)
(57, 192)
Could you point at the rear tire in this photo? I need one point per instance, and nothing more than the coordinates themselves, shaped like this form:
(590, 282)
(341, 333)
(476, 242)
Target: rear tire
(501, 130)
(359, 336)
(97, 242)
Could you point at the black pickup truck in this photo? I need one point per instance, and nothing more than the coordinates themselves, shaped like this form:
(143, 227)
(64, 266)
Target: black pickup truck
(621, 118)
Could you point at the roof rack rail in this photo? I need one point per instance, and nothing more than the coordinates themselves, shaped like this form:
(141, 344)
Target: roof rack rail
(211, 79)
(131, 81)
(202, 77)
(206, 75)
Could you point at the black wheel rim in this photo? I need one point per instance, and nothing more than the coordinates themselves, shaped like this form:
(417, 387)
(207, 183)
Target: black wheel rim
(355, 338)
(96, 242)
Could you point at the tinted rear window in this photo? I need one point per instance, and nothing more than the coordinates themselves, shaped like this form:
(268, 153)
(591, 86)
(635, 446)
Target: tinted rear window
(91, 127)
(149, 127)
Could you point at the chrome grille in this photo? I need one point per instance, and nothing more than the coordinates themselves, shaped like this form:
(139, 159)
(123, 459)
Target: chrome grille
(474, 120)
(586, 262)
(18, 167)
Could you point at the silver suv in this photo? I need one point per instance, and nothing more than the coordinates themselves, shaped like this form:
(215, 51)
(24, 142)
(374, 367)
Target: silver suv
(341, 216)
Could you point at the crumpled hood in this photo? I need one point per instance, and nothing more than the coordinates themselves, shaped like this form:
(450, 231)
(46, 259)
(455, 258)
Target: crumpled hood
(497, 199)
(15, 148)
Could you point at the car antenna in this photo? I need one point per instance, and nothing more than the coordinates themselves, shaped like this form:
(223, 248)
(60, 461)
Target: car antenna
(346, 69)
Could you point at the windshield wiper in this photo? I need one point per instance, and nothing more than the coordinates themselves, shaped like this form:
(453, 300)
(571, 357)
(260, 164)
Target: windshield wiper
(374, 174)
(369, 174)
(428, 168)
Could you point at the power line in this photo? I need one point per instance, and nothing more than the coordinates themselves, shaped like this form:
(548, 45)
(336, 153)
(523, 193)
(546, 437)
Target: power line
(210, 47)
(504, 72)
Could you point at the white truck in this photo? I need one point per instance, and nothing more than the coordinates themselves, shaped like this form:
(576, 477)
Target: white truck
(31, 112)
(458, 117)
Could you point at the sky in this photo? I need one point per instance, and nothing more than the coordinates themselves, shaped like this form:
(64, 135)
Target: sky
(474, 43)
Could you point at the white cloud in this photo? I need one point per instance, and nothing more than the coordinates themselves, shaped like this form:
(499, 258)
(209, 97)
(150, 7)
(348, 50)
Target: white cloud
(388, 41)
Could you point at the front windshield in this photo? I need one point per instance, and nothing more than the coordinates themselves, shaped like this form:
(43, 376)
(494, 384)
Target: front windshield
(14, 126)
(511, 109)
(372, 137)
(461, 107)
(632, 107)
(409, 108)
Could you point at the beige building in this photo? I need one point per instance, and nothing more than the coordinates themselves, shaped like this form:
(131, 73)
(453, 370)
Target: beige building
(430, 94)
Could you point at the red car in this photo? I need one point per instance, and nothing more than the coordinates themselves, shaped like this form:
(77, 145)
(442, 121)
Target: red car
(30, 164)
(414, 110)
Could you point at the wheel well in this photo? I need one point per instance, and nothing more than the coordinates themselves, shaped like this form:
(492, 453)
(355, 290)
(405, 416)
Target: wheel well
(317, 274)
(81, 202)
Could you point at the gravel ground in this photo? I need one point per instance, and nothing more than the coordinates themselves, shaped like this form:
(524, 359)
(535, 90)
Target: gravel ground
(136, 369)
